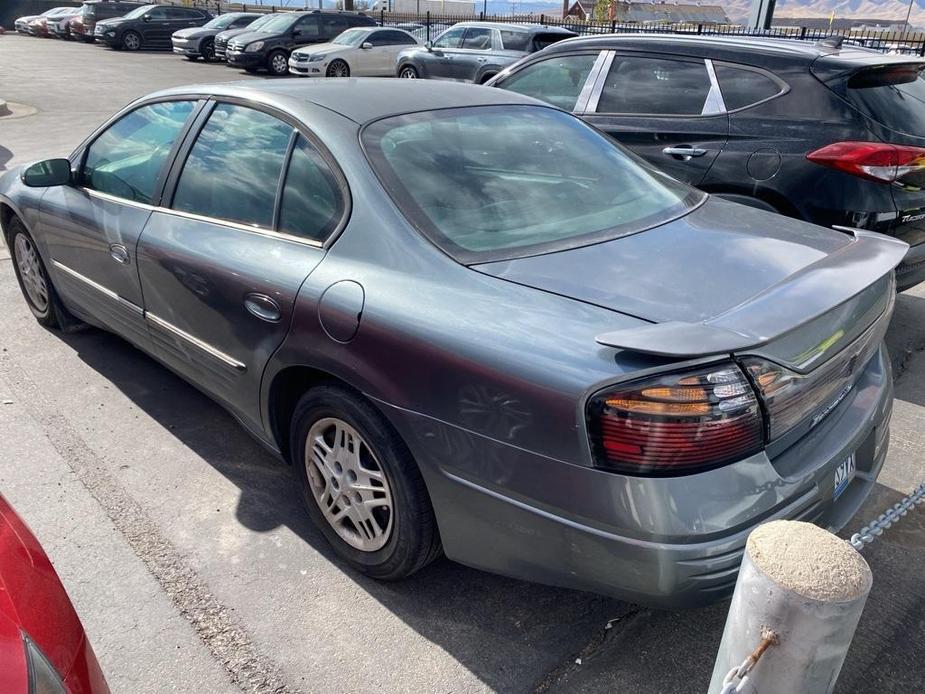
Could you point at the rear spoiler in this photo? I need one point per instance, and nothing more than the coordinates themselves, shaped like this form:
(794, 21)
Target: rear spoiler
(795, 301)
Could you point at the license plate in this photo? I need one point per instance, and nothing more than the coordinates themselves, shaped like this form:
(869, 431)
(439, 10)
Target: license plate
(843, 476)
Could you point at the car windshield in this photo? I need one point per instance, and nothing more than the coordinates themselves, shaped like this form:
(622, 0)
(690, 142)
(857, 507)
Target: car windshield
(138, 11)
(278, 23)
(220, 22)
(259, 22)
(493, 182)
(351, 37)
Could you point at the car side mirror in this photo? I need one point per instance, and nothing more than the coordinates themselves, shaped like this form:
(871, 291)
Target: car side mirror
(146, 18)
(296, 32)
(429, 45)
(366, 45)
(51, 172)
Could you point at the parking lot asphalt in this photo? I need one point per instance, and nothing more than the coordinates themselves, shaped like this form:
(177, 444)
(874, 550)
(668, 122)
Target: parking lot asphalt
(194, 568)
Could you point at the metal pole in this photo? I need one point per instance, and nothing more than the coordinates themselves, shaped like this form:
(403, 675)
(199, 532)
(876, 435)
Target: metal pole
(797, 602)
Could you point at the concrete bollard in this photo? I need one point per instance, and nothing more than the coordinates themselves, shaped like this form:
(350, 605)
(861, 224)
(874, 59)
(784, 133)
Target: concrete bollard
(798, 599)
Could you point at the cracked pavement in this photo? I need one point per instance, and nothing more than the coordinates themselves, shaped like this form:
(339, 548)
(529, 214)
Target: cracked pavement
(187, 554)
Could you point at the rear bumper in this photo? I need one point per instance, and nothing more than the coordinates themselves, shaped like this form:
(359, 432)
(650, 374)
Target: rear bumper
(663, 542)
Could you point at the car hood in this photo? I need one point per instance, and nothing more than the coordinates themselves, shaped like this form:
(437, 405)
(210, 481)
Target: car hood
(193, 33)
(323, 48)
(111, 22)
(724, 274)
(250, 36)
(232, 33)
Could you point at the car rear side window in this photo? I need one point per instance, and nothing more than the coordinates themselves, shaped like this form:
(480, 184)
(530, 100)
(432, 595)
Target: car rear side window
(312, 203)
(493, 182)
(655, 86)
(557, 80)
(892, 95)
(515, 40)
(742, 87)
(233, 169)
(127, 158)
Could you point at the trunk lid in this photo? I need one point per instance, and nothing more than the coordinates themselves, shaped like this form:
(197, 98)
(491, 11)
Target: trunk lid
(723, 279)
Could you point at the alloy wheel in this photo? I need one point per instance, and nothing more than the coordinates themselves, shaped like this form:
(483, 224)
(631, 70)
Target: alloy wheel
(338, 69)
(408, 73)
(131, 41)
(279, 64)
(349, 484)
(30, 270)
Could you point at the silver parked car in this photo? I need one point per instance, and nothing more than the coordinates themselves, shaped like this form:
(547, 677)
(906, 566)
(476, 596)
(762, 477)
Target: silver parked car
(357, 52)
(471, 322)
(199, 42)
(476, 51)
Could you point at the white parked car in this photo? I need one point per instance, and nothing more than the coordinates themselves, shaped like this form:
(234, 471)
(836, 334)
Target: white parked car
(360, 52)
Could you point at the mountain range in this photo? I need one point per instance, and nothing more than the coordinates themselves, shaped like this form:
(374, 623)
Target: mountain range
(855, 9)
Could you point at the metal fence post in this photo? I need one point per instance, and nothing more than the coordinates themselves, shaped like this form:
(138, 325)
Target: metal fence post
(427, 24)
(797, 602)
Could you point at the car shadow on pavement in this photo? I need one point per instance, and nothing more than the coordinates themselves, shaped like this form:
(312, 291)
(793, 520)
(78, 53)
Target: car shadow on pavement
(905, 340)
(512, 635)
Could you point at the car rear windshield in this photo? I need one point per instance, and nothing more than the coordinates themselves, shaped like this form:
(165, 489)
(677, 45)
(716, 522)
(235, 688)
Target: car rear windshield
(891, 95)
(492, 182)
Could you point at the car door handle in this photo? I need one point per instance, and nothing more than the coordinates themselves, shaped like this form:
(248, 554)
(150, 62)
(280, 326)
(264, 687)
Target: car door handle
(119, 253)
(684, 152)
(263, 307)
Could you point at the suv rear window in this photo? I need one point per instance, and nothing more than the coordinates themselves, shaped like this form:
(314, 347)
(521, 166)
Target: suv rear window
(492, 182)
(893, 96)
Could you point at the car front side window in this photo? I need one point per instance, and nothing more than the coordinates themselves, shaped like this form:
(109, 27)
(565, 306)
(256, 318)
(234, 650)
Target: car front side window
(233, 169)
(451, 38)
(477, 39)
(127, 159)
(557, 80)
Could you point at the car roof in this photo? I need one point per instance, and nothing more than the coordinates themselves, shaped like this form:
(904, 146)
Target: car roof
(357, 98)
(737, 46)
(534, 28)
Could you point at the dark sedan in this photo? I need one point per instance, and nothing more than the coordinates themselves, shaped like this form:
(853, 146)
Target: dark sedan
(199, 42)
(476, 51)
(473, 323)
(830, 134)
(149, 26)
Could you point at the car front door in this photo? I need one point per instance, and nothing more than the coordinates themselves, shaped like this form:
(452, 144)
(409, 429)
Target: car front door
(474, 50)
(668, 110)
(92, 227)
(438, 60)
(379, 59)
(155, 27)
(222, 262)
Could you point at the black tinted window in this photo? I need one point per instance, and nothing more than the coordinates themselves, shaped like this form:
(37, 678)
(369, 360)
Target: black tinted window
(157, 13)
(451, 38)
(390, 38)
(233, 169)
(309, 27)
(332, 26)
(743, 88)
(647, 85)
(540, 41)
(126, 160)
(312, 201)
(894, 96)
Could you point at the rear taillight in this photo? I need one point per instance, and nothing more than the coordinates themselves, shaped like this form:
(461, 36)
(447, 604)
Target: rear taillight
(875, 161)
(676, 423)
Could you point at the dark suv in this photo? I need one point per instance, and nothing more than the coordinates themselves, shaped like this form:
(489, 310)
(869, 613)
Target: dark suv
(94, 11)
(149, 26)
(270, 44)
(829, 133)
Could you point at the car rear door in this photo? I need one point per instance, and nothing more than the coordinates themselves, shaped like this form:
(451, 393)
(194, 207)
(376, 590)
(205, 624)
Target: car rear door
(667, 109)
(155, 28)
(222, 261)
(92, 227)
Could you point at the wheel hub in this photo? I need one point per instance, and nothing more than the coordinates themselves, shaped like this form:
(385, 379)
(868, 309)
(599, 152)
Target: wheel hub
(348, 484)
(30, 270)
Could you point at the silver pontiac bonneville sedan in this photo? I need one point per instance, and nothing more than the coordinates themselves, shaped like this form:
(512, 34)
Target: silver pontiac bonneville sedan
(475, 325)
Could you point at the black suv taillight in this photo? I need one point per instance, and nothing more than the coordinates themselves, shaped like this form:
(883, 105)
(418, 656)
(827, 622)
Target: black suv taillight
(676, 423)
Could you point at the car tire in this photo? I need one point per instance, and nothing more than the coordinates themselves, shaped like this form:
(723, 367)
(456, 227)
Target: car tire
(207, 50)
(278, 63)
(33, 279)
(389, 541)
(337, 68)
(131, 41)
(408, 72)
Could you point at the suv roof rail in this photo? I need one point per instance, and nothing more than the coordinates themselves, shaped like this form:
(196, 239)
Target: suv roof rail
(831, 42)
